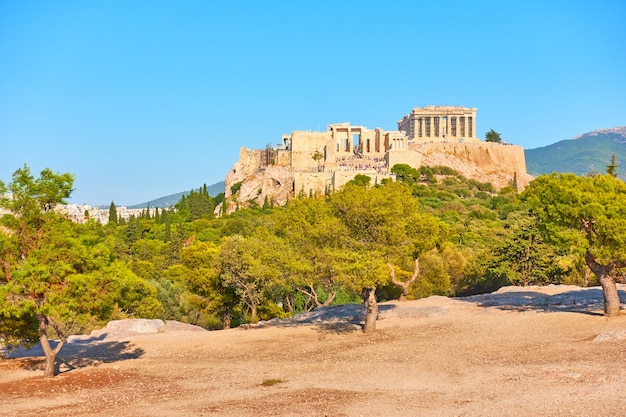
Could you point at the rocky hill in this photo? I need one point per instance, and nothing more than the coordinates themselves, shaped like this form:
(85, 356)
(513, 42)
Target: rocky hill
(317, 163)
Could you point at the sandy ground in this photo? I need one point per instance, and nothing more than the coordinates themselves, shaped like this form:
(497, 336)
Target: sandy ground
(521, 352)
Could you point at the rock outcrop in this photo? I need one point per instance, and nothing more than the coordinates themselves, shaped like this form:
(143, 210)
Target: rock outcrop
(318, 163)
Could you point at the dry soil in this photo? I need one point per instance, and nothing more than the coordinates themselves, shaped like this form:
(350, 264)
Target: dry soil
(527, 354)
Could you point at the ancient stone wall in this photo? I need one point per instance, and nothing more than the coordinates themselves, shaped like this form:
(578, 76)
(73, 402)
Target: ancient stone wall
(404, 156)
(303, 147)
(341, 178)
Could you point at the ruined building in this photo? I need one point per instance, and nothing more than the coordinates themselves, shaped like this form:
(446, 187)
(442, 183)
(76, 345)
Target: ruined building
(315, 163)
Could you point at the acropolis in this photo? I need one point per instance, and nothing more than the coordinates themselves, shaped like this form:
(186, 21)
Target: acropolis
(315, 163)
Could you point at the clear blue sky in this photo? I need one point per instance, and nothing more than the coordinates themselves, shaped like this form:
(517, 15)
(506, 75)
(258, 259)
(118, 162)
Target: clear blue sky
(142, 99)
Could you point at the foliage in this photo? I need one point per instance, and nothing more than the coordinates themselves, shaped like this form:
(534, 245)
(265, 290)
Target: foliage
(587, 214)
(258, 263)
(58, 275)
(493, 136)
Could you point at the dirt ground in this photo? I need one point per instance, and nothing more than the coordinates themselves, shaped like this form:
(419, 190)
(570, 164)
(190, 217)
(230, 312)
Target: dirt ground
(432, 357)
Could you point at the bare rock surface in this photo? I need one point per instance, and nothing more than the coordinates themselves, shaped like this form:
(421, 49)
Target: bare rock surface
(533, 351)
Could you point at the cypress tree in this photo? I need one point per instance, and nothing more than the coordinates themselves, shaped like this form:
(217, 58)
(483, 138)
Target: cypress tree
(168, 230)
(113, 213)
(611, 169)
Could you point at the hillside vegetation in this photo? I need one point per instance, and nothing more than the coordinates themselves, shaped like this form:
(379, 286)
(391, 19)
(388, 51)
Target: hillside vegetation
(431, 232)
(170, 200)
(587, 153)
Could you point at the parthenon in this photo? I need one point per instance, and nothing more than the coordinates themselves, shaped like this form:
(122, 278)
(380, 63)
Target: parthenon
(440, 122)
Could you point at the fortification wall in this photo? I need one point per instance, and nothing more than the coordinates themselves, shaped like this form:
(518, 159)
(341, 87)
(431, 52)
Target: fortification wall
(303, 146)
(341, 178)
(404, 156)
(312, 183)
(282, 158)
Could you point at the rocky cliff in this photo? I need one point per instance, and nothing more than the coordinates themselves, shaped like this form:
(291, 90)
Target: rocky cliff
(489, 162)
(251, 182)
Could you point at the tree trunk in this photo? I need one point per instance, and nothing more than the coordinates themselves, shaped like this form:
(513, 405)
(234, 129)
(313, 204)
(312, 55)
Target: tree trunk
(609, 289)
(329, 298)
(371, 309)
(50, 354)
(611, 297)
(228, 317)
(253, 313)
(404, 286)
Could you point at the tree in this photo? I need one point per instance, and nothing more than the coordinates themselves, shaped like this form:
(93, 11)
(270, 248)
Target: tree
(112, 213)
(56, 272)
(404, 285)
(40, 258)
(384, 224)
(493, 136)
(314, 236)
(523, 256)
(248, 266)
(588, 214)
(317, 157)
(611, 169)
(406, 173)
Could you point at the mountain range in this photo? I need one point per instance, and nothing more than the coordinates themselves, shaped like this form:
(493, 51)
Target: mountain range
(170, 200)
(587, 153)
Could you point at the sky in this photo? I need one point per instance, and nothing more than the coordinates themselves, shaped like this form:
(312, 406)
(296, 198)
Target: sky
(140, 99)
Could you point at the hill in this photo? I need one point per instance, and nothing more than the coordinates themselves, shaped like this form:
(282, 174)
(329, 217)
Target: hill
(170, 200)
(590, 152)
(522, 351)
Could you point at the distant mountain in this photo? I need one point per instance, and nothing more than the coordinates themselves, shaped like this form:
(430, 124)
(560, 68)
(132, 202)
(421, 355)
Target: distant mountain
(170, 200)
(586, 153)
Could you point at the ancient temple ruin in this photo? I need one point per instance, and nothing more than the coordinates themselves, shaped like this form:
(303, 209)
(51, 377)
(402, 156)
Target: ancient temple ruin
(440, 122)
(318, 163)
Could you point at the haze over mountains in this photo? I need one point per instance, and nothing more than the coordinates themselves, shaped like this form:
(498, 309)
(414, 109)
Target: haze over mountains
(589, 152)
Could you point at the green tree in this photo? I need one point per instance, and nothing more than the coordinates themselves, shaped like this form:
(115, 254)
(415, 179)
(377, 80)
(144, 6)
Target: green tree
(112, 213)
(406, 173)
(58, 276)
(360, 180)
(611, 169)
(588, 214)
(493, 136)
(317, 157)
(249, 267)
(312, 265)
(384, 224)
(37, 257)
(524, 256)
